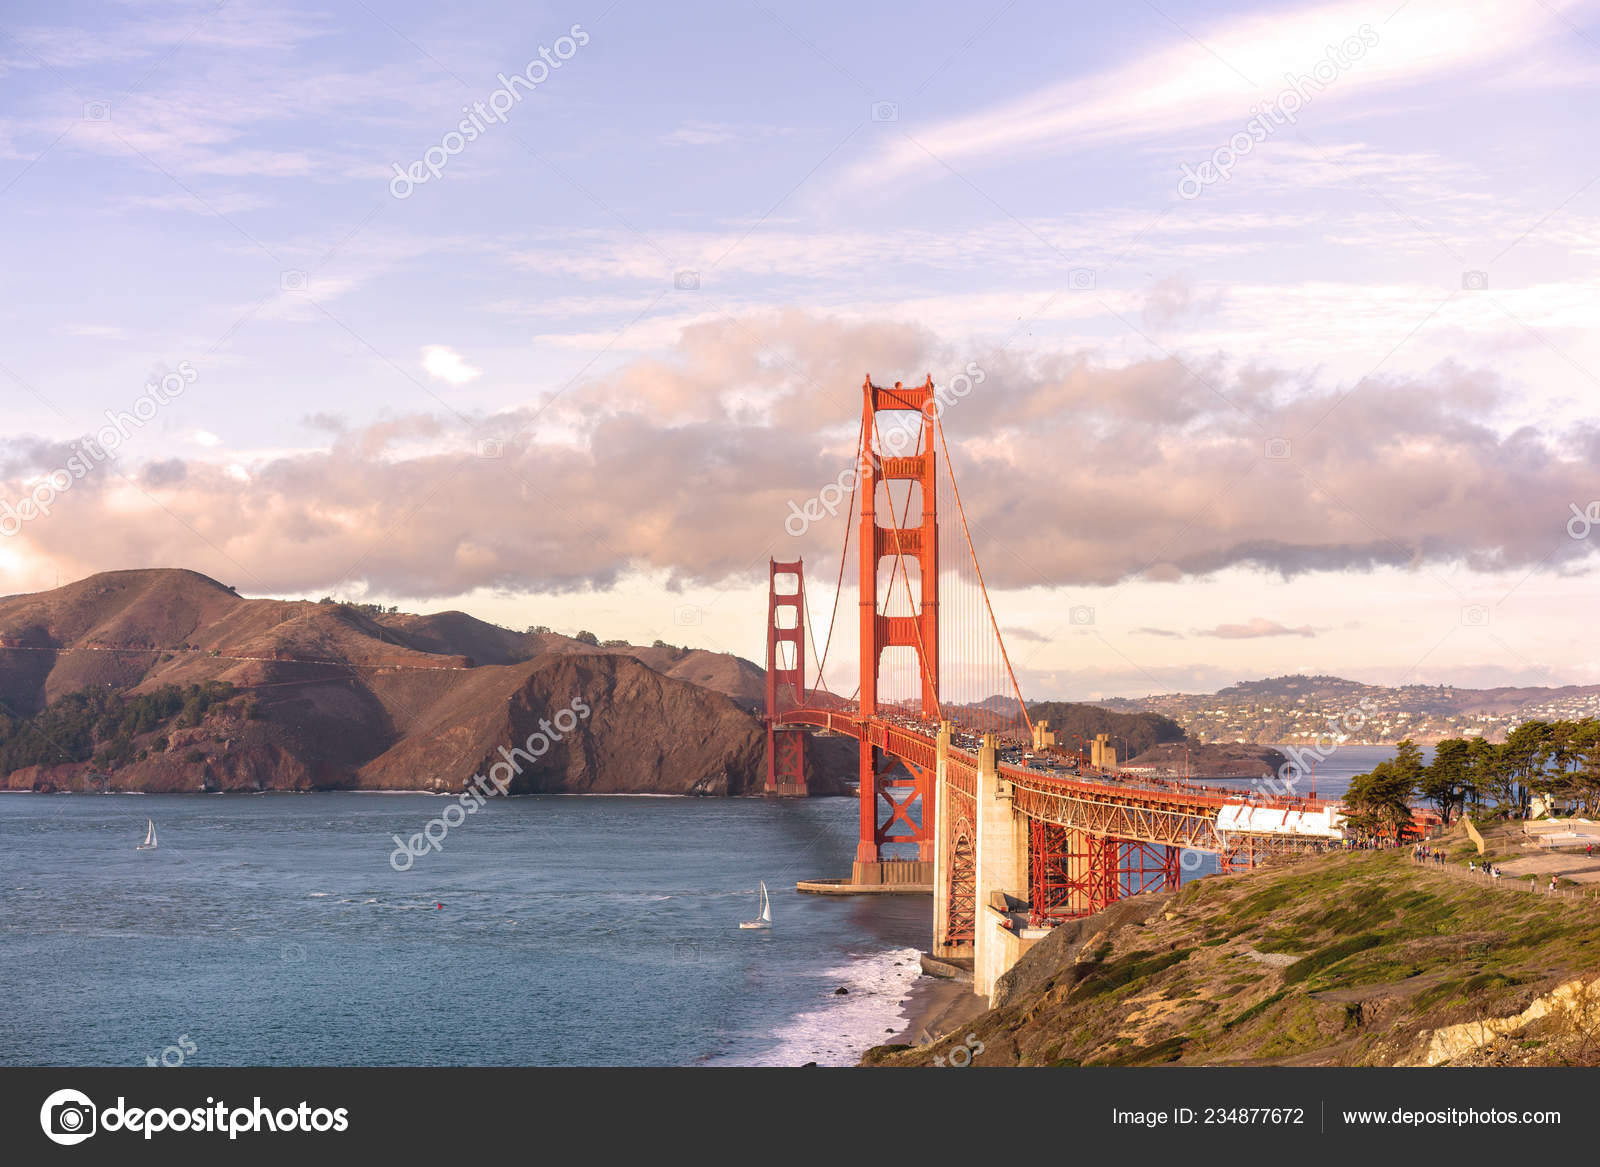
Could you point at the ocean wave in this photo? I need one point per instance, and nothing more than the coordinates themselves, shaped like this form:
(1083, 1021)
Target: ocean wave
(839, 1029)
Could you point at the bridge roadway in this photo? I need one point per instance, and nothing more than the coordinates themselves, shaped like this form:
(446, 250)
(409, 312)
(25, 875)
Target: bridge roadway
(1171, 814)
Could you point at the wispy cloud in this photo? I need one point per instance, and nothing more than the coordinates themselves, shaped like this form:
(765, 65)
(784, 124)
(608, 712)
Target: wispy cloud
(1256, 627)
(1185, 86)
(701, 134)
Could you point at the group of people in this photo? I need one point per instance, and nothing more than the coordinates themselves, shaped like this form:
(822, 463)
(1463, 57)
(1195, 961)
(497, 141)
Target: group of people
(1425, 854)
(1492, 871)
(1370, 843)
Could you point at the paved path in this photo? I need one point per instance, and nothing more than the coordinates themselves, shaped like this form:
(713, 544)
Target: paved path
(1509, 882)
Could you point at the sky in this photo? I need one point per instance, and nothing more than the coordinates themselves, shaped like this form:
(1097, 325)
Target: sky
(1278, 317)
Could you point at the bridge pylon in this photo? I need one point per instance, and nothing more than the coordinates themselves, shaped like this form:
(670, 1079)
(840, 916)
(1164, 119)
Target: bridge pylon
(886, 819)
(786, 678)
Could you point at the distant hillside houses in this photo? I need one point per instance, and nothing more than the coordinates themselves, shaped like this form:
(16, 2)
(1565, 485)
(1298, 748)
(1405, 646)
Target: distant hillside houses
(1300, 708)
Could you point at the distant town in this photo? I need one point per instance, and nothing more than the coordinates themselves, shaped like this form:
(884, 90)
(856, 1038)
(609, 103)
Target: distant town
(1298, 708)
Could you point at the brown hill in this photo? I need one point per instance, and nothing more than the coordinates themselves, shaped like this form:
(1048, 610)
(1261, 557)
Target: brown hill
(334, 696)
(635, 730)
(462, 635)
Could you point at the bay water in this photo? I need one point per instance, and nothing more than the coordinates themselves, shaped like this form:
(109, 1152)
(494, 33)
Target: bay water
(274, 929)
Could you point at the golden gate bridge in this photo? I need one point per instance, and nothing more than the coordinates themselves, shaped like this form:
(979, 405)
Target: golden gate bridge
(1013, 832)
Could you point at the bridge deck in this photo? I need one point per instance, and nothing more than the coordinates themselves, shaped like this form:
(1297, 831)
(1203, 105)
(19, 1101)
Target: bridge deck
(1178, 814)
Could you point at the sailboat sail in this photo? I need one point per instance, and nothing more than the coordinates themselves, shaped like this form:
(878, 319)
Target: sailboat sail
(764, 920)
(149, 843)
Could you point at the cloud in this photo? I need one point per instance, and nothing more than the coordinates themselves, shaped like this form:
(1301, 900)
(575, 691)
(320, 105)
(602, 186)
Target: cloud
(1183, 85)
(1028, 634)
(215, 203)
(447, 365)
(1158, 632)
(1166, 301)
(1257, 626)
(168, 473)
(1072, 472)
(698, 133)
(205, 438)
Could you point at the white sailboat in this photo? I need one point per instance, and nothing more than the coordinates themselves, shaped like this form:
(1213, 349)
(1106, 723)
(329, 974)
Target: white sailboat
(149, 843)
(765, 919)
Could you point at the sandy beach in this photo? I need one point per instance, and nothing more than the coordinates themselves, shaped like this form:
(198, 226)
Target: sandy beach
(935, 1006)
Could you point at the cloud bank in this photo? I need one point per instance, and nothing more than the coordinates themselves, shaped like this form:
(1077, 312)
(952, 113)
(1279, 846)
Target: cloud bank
(1072, 472)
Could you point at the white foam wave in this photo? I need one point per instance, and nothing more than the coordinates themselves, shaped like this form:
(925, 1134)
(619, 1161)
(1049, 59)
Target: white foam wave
(839, 1029)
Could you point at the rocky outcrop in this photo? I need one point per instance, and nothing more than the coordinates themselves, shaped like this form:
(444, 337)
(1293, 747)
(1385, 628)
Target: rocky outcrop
(1572, 1007)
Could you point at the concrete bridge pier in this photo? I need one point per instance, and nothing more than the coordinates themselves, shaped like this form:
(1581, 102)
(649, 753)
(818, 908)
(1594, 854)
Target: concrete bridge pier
(1000, 933)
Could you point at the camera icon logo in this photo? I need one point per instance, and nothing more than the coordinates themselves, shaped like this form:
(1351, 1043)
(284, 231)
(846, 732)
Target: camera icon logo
(686, 952)
(491, 448)
(1475, 281)
(68, 1117)
(1081, 279)
(97, 111)
(293, 281)
(1278, 449)
(1475, 616)
(885, 111)
(292, 952)
(686, 281)
(1081, 615)
(686, 615)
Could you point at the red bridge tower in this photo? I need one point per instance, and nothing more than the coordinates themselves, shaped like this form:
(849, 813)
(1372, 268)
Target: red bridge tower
(786, 677)
(885, 819)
